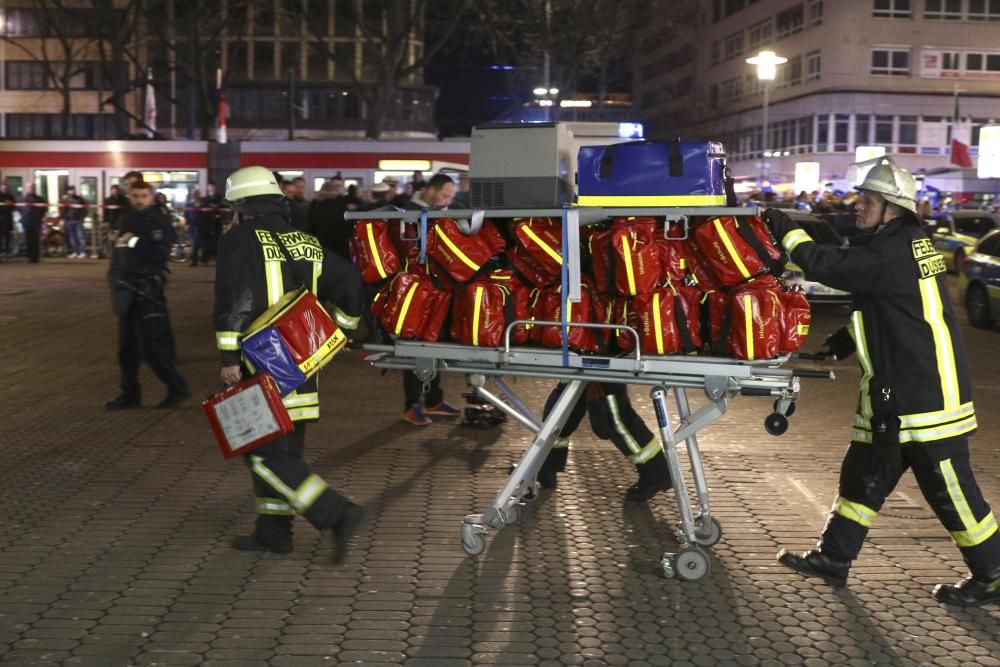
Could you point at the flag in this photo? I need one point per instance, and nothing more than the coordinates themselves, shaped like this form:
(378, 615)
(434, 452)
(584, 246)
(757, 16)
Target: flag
(960, 139)
(149, 113)
(220, 131)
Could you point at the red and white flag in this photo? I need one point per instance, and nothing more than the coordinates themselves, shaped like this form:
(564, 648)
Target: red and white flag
(220, 131)
(960, 138)
(149, 112)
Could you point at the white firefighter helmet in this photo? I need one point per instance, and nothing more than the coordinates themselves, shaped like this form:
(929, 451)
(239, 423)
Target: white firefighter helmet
(251, 182)
(894, 183)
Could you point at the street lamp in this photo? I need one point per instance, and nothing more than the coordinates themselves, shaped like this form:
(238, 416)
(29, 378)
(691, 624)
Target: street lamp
(767, 68)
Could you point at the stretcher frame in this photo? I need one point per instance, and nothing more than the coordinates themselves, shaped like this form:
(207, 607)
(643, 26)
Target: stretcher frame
(721, 379)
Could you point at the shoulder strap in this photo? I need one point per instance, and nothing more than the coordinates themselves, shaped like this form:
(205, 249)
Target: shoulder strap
(773, 266)
(288, 258)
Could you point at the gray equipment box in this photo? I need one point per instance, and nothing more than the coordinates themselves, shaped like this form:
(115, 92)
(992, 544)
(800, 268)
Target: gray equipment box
(530, 165)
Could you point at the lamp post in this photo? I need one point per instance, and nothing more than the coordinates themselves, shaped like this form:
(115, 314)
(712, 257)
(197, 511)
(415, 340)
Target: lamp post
(767, 68)
(545, 97)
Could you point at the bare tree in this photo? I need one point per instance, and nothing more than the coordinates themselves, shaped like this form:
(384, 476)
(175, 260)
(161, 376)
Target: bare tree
(390, 29)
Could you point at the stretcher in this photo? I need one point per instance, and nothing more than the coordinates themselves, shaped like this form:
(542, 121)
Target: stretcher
(721, 380)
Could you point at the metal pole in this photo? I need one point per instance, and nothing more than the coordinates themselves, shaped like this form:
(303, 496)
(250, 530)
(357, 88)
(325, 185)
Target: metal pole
(291, 104)
(763, 148)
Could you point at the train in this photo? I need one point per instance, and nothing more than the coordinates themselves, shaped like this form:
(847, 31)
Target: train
(178, 167)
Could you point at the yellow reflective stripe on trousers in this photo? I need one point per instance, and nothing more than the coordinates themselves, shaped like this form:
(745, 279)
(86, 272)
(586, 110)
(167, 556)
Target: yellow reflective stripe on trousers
(300, 414)
(227, 340)
(863, 433)
(748, 323)
(475, 315)
(560, 443)
(793, 238)
(542, 244)
(978, 534)
(455, 249)
(406, 307)
(646, 453)
(300, 499)
(309, 491)
(274, 506)
(629, 273)
(726, 241)
(345, 321)
(957, 495)
(919, 419)
(296, 399)
(855, 512)
(374, 250)
(934, 316)
(275, 284)
(657, 324)
(864, 359)
(619, 426)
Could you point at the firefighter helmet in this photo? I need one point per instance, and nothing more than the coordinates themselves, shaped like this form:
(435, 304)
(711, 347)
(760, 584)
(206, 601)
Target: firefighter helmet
(251, 182)
(894, 183)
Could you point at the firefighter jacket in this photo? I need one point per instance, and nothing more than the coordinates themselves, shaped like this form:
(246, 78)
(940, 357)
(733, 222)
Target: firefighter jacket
(138, 269)
(902, 326)
(252, 274)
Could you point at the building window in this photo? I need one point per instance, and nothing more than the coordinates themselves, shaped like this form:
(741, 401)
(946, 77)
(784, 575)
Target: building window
(814, 64)
(732, 90)
(716, 53)
(861, 124)
(894, 9)
(984, 10)
(946, 10)
(51, 126)
(26, 75)
(814, 12)
(713, 96)
(759, 34)
(891, 62)
(883, 130)
(789, 21)
(732, 45)
(993, 62)
(907, 134)
(791, 73)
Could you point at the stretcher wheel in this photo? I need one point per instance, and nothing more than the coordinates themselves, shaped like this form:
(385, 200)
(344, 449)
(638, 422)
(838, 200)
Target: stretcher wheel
(473, 539)
(691, 564)
(791, 407)
(707, 535)
(776, 423)
(513, 514)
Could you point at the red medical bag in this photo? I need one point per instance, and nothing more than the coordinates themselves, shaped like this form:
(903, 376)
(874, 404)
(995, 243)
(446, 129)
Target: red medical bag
(411, 307)
(795, 319)
(247, 415)
(737, 250)
(756, 320)
(547, 305)
(541, 238)
(668, 321)
(532, 271)
(461, 255)
(626, 258)
(483, 309)
(375, 252)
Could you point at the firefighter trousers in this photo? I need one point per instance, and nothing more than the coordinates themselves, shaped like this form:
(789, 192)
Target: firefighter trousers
(948, 485)
(284, 485)
(611, 418)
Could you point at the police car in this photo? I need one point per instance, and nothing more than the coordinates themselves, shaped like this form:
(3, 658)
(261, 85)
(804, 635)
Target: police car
(957, 232)
(979, 281)
(821, 232)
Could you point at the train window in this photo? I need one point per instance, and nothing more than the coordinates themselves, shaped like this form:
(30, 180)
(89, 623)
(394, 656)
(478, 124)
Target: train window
(51, 183)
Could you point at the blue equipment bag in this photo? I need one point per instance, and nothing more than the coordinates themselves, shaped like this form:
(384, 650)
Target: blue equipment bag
(655, 173)
(265, 350)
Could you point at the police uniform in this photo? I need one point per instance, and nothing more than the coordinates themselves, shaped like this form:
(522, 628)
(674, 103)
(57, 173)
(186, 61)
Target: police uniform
(915, 402)
(613, 418)
(137, 278)
(252, 273)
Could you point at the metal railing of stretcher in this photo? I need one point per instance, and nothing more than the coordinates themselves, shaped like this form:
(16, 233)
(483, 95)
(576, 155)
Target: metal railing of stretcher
(720, 378)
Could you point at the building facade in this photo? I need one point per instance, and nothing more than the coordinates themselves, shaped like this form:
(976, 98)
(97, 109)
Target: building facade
(886, 73)
(289, 68)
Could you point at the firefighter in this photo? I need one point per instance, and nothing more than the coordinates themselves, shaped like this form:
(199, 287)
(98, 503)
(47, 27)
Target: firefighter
(915, 406)
(137, 277)
(261, 259)
(612, 418)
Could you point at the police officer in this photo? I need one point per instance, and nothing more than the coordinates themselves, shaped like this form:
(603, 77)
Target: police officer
(613, 418)
(137, 278)
(915, 405)
(260, 259)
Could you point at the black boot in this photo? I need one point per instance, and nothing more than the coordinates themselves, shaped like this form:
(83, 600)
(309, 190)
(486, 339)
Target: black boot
(547, 477)
(344, 528)
(815, 563)
(175, 398)
(256, 542)
(654, 476)
(123, 402)
(970, 592)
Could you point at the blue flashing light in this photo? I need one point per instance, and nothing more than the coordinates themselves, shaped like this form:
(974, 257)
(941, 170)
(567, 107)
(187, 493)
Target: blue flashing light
(630, 131)
(501, 67)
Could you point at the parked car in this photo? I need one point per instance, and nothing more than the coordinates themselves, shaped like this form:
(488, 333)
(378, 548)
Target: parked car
(957, 232)
(821, 232)
(979, 281)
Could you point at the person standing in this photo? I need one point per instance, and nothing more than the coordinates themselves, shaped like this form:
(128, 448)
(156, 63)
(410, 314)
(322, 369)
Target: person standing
(261, 259)
(74, 209)
(32, 215)
(7, 204)
(418, 403)
(298, 204)
(208, 226)
(137, 278)
(915, 406)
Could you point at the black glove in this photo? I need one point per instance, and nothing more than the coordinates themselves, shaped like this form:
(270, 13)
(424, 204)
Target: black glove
(779, 223)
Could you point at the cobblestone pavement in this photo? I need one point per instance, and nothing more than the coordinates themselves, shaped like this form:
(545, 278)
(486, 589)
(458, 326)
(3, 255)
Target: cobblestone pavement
(114, 543)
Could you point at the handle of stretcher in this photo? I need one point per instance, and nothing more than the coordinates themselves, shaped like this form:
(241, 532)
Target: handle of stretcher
(581, 325)
(810, 356)
(809, 373)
